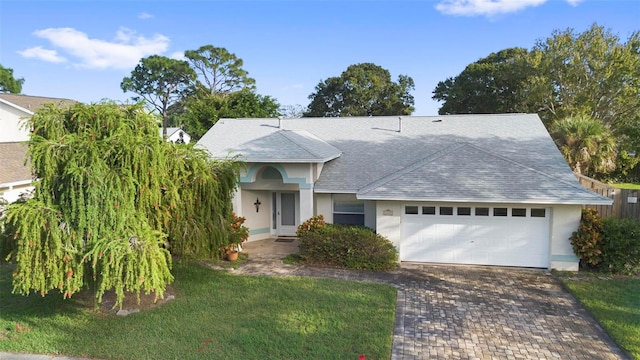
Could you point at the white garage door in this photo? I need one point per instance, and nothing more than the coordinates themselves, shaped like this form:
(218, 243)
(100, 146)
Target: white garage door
(503, 236)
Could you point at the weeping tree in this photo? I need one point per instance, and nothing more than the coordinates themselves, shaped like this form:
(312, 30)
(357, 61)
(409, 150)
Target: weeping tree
(112, 203)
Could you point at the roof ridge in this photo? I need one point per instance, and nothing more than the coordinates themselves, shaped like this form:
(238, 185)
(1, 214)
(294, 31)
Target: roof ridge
(232, 150)
(411, 167)
(285, 139)
(527, 167)
(283, 132)
(302, 133)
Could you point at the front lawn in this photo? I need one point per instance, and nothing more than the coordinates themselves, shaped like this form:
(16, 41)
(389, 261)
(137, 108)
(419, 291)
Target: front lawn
(615, 304)
(215, 316)
(633, 186)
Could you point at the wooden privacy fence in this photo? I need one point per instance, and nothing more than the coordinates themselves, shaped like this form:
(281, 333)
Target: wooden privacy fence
(626, 202)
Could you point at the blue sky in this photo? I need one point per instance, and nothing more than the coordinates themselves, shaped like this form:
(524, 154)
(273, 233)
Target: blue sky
(82, 49)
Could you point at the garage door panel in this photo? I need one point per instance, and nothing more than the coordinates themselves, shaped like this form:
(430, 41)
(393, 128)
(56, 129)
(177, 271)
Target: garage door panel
(505, 241)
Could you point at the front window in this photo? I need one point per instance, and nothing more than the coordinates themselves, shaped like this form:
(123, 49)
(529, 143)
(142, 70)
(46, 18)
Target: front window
(347, 210)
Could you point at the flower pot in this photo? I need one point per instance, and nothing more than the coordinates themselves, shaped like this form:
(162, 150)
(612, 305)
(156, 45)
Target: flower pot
(232, 255)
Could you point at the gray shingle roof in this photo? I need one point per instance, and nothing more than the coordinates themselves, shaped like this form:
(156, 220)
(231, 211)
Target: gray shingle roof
(485, 158)
(287, 146)
(467, 173)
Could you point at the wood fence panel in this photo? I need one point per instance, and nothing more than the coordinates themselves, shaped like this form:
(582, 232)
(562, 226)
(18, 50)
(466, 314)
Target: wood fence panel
(629, 208)
(623, 204)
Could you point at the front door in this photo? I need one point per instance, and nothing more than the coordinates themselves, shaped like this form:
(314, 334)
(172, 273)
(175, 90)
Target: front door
(286, 214)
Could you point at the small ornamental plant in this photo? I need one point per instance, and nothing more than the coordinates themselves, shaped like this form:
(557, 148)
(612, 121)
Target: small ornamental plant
(238, 233)
(587, 240)
(314, 223)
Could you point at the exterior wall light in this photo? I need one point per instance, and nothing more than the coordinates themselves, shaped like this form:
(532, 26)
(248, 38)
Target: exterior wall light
(257, 204)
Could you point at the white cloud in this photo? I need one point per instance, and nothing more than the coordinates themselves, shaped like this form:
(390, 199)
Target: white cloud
(145, 16)
(488, 7)
(574, 2)
(124, 51)
(178, 55)
(43, 54)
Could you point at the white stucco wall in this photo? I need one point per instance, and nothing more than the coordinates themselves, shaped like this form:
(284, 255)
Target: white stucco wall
(565, 219)
(305, 209)
(296, 178)
(11, 121)
(259, 223)
(324, 206)
(388, 220)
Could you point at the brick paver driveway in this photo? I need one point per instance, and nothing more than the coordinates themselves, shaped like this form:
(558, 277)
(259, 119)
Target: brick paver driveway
(474, 312)
(460, 312)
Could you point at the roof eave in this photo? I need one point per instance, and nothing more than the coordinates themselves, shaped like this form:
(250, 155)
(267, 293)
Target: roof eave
(9, 103)
(329, 191)
(603, 201)
(16, 183)
(286, 161)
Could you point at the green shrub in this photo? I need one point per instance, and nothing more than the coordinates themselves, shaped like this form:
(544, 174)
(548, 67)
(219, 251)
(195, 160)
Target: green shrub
(351, 247)
(586, 241)
(621, 246)
(315, 222)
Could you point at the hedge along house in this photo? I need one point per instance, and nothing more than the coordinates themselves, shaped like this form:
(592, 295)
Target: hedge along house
(465, 189)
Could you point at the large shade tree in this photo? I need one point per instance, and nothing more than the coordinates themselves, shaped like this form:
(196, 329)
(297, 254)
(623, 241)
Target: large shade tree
(494, 84)
(112, 203)
(198, 112)
(567, 75)
(363, 89)
(160, 81)
(592, 73)
(8, 83)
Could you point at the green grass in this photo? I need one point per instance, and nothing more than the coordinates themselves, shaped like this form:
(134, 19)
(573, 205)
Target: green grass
(633, 186)
(615, 304)
(215, 316)
(292, 259)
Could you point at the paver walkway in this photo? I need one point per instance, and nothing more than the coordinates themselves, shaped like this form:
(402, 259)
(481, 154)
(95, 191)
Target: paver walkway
(467, 312)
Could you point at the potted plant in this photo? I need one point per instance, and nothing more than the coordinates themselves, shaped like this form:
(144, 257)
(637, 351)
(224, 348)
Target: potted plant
(238, 234)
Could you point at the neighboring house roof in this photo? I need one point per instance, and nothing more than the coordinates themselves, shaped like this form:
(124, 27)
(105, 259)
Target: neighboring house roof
(170, 131)
(176, 134)
(287, 146)
(13, 154)
(12, 157)
(32, 103)
(483, 158)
